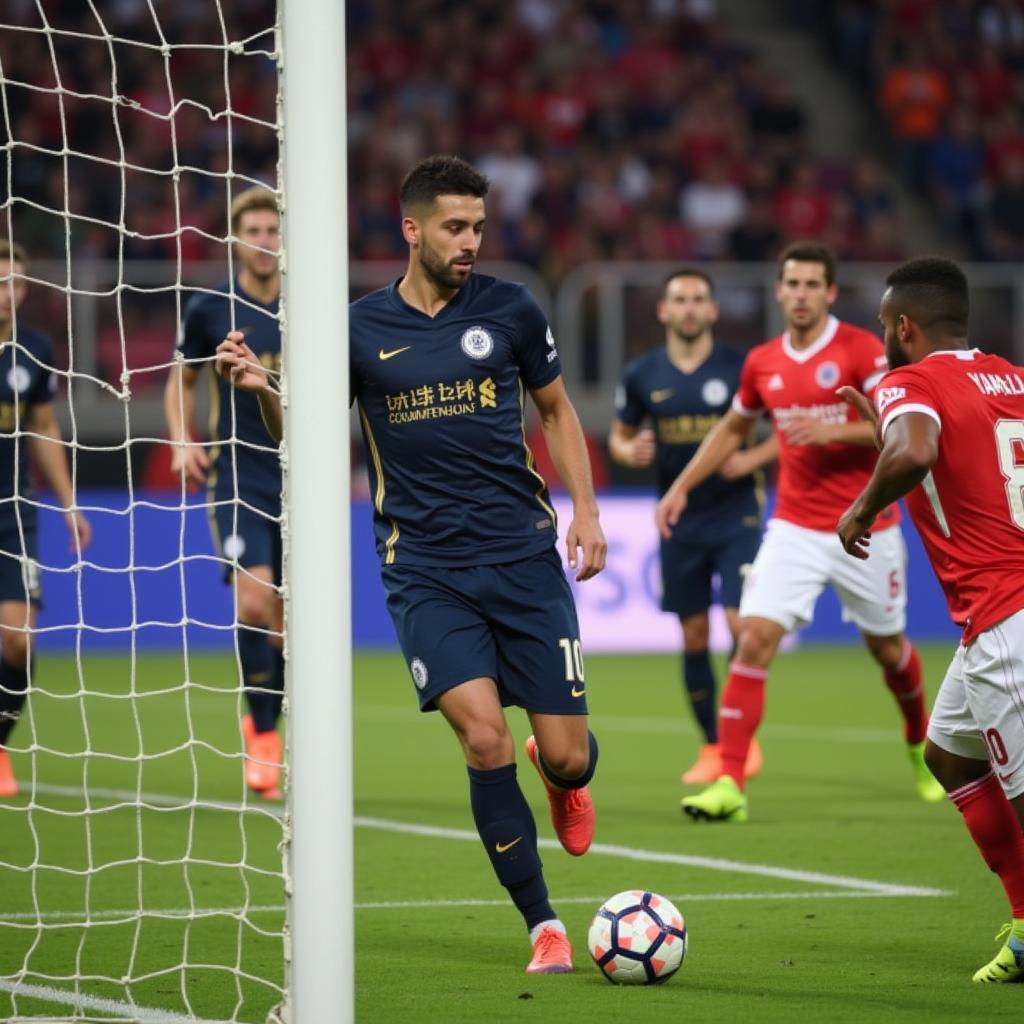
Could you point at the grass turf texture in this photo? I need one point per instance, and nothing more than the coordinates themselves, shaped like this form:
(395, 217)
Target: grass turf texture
(836, 797)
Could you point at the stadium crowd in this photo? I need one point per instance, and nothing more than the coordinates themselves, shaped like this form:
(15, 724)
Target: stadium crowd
(949, 80)
(610, 130)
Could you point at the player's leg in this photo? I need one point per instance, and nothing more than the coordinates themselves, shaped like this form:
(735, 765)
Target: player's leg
(873, 594)
(246, 541)
(540, 664)
(450, 651)
(975, 748)
(17, 621)
(733, 562)
(20, 599)
(686, 591)
(779, 594)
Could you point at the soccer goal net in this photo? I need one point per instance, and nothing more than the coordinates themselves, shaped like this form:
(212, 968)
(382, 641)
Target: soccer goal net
(141, 878)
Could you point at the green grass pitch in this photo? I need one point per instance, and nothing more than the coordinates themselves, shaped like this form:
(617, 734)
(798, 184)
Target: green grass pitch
(843, 899)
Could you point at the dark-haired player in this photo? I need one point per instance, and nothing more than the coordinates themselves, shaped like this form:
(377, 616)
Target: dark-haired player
(27, 418)
(951, 428)
(242, 471)
(441, 364)
(683, 388)
(825, 456)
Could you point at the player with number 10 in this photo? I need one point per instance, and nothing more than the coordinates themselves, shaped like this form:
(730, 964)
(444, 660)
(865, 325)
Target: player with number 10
(441, 362)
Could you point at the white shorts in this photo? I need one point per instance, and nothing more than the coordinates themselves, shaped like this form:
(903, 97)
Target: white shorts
(794, 565)
(979, 709)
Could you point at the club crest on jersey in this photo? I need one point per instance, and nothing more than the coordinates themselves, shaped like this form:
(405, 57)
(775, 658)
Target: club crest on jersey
(827, 375)
(18, 378)
(715, 392)
(477, 343)
(419, 673)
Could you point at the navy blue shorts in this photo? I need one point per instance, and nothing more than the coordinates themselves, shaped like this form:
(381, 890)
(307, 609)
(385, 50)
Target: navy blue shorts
(688, 565)
(514, 623)
(19, 567)
(249, 537)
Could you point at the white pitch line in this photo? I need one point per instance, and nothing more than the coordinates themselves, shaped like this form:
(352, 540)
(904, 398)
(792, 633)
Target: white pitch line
(685, 860)
(132, 913)
(464, 835)
(130, 1011)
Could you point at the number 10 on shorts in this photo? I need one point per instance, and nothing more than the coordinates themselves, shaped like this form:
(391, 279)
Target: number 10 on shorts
(573, 654)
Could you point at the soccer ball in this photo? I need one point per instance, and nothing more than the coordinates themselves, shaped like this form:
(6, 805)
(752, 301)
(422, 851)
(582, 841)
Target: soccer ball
(637, 938)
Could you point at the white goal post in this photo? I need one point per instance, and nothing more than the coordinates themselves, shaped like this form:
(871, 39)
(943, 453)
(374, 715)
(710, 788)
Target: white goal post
(317, 495)
(140, 879)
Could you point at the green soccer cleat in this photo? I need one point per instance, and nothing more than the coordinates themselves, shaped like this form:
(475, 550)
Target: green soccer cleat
(929, 788)
(1008, 963)
(723, 800)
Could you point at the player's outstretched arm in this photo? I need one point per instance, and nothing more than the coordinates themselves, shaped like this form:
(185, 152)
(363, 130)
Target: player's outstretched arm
(178, 404)
(585, 539)
(909, 450)
(746, 460)
(719, 443)
(47, 446)
(630, 446)
(238, 365)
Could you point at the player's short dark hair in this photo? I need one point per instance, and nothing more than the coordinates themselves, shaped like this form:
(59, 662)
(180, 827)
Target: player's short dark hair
(810, 252)
(702, 275)
(440, 176)
(931, 291)
(13, 253)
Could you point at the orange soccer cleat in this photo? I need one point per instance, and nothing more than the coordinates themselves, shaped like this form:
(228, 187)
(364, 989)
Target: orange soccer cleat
(708, 765)
(8, 783)
(706, 768)
(552, 953)
(572, 810)
(263, 760)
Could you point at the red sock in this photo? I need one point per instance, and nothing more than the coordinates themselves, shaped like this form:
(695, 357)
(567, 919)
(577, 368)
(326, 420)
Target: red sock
(993, 824)
(739, 715)
(904, 682)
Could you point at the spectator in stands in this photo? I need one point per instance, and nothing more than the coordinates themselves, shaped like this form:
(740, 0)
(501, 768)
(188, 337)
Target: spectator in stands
(711, 206)
(514, 174)
(956, 163)
(1006, 212)
(914, 94)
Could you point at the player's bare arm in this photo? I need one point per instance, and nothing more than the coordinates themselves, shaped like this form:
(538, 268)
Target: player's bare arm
(179, 401)
(47, 444)
(724, 438)
(909, 450)
(746, 460)
(803, 430)
(630, 446)
(585, 541)
(240, 366)
(865, 409)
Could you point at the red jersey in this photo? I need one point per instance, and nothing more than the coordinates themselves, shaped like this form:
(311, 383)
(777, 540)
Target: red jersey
(817, 482)
(969, 510)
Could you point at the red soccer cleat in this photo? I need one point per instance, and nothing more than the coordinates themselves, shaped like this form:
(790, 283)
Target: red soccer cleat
(263, 760)
(8, 783)
(572, 810)
(552, 953)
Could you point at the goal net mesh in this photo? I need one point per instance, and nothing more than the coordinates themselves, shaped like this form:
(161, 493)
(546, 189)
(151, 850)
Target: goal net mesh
(139, 880)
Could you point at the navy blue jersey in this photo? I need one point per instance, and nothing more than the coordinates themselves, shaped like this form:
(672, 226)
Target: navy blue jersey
(442, 407)
(247, 448)
(26, 380)
(683, 407)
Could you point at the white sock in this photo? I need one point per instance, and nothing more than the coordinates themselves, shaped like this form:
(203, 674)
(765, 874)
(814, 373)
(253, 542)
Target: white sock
(538, 928)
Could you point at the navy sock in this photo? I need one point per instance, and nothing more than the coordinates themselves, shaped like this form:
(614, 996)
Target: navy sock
(509, 834)
(277, 678)
(577, 783)
(257, 676)
(13, 691)
(699, 677)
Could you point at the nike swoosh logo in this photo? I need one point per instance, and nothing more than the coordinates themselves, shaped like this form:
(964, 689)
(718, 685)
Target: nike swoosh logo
(662, 394)
(578, 693)
(502, 847)
(394, 352)
(1010, 775)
